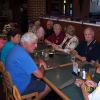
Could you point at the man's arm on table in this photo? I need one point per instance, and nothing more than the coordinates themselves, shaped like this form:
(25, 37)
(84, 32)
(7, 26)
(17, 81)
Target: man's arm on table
(75, 53)
(40, 72)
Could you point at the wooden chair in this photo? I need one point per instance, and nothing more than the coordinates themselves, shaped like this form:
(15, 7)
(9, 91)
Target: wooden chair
(2, 68)
(13, 93)
(17, 96)
(2, 71)
(9, 86)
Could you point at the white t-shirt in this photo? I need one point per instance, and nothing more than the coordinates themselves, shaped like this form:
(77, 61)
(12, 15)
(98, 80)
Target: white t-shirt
(95, 95)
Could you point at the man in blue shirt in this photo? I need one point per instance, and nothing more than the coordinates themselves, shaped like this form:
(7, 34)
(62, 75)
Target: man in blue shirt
(24, 72)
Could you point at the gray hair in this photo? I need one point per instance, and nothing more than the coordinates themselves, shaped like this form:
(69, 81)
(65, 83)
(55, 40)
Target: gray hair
(57, 26)
(90, 29)
(29, 37)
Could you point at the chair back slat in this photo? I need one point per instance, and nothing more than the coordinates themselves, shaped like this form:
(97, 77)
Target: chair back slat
(16, 93)
(13, 92)
(2, 68)
(8, 82)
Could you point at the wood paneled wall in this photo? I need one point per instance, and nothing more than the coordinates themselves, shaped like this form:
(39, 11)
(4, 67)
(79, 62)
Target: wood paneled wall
(79, 28)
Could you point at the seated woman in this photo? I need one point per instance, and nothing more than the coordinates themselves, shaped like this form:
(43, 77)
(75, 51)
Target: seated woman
(13, 38)
(38, 30)
(95, 95)
(89, 49)
(70, 41)
(57, 37)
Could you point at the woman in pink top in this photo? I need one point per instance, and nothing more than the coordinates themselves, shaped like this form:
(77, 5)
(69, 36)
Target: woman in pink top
(38, 29)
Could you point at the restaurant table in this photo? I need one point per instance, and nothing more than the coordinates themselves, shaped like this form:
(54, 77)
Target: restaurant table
(57, 77)
(59, 72)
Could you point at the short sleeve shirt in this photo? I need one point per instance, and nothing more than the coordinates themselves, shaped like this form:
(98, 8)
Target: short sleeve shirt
(21, 66)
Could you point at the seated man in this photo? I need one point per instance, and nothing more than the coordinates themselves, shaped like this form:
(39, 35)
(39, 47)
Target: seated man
(89, 49)
(95, 95)
(24, 71)
(49, 29)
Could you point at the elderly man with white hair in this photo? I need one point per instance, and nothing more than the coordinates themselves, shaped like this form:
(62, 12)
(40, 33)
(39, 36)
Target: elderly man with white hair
(89, 49)
(24, 71)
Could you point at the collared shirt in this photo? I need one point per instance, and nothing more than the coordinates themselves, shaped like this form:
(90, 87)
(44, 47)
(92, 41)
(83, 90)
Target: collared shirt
(91, 51)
